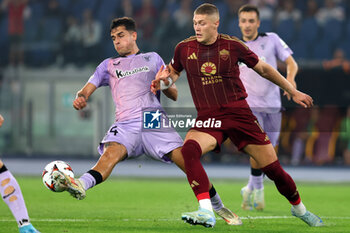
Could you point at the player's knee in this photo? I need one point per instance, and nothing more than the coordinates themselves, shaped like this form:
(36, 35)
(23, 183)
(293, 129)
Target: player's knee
(191, 150)
(114, 153)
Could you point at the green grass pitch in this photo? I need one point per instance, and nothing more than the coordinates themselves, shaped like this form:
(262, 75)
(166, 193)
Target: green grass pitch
(155, 205)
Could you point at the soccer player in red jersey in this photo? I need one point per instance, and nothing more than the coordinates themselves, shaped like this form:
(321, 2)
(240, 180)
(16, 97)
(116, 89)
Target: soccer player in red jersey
(211, 61)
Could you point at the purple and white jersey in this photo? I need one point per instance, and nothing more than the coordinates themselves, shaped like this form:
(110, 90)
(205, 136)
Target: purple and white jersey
(263, 95)
(129, 79)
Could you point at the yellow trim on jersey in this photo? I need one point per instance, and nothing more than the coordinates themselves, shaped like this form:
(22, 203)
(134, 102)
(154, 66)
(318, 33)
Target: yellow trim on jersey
(191, 38)
(233, 38)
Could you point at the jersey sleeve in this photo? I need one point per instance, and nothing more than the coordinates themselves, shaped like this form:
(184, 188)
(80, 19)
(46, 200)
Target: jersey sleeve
(176, 61)
(245, 55)
(282, 49)
(101, 75)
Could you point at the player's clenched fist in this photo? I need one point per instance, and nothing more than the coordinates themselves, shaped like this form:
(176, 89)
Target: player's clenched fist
(79, 103)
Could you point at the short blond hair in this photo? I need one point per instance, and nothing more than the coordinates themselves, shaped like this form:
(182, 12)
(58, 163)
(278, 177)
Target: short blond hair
(207, 9)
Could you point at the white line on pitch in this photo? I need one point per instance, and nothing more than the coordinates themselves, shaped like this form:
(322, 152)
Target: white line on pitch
(169, 219)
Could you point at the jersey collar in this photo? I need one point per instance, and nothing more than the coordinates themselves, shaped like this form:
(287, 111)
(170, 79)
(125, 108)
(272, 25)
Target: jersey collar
(259, 34)
(132, 55)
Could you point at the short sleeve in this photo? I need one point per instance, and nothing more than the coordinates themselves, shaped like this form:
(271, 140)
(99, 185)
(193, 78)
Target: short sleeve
(282, 49)
(176, 61)
(101, 75)
(245, 55)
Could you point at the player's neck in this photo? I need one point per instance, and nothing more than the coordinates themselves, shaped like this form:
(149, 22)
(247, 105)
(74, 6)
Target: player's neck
(212, 40)
(134, 51)
(251, 38)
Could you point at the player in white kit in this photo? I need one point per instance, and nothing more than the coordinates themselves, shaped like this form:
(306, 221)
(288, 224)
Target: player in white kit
(129, 78)
(263, 96)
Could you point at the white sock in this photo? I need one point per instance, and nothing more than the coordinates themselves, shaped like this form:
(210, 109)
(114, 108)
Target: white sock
(206, 204)
(258, 181)
(216, 202)
(299, 209)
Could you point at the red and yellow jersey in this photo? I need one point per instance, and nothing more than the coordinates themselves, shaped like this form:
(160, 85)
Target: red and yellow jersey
(213, 71)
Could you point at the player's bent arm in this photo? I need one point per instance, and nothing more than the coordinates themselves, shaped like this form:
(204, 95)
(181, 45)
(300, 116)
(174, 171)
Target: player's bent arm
(292, 69)
(267, 71)
(87, 90)
(174, 75)
(83, 95)
(171, 92)
(163, 75)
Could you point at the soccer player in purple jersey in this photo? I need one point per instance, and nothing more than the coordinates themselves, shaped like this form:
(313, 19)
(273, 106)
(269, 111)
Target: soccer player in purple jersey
(263, 96)
(129, 77)
(12, 196)
(211, 61)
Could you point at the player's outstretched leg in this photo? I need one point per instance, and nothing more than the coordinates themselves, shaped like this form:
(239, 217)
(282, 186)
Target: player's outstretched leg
(73, 186)
(199, 182)
(219, 208)
(287, 188)
(28, 229)
(12, 196)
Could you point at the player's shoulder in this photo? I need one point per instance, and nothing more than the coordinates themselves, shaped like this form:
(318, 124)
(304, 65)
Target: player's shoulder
(149, 56)
(105, 62)
(224, 38)
(228, 37)
(187, 42)
(152, 53)
(272, 35)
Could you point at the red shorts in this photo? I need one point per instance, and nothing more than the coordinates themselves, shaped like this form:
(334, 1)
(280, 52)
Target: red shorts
(239, 124)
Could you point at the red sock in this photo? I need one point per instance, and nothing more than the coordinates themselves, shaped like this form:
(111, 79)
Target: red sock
(196, 175)
(284, 183)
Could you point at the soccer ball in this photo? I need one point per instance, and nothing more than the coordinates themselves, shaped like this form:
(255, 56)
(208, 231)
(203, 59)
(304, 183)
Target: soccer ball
(48, 180)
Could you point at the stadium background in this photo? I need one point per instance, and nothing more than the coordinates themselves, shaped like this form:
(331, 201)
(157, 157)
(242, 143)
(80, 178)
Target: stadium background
(36, 96)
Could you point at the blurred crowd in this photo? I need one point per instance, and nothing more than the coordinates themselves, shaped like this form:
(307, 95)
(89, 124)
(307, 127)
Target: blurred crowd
(316, 136)
(45, 32)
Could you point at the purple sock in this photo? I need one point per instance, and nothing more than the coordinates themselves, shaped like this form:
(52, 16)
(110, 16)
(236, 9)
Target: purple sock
(257, 181)
(12, 196)
(250, 183)
(88, 181)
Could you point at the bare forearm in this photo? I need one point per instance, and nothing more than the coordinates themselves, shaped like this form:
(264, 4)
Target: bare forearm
(86, 91)
(174, 75)
(292, 68)
(271, 74)
(171, 92)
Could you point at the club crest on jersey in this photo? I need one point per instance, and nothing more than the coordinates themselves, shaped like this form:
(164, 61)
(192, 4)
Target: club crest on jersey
(224, 54)
(123, 74)
(208, 69)
(147, 58)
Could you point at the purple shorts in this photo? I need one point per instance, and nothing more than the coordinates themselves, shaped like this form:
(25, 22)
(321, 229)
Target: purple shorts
(271, 124)
(154, 143)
